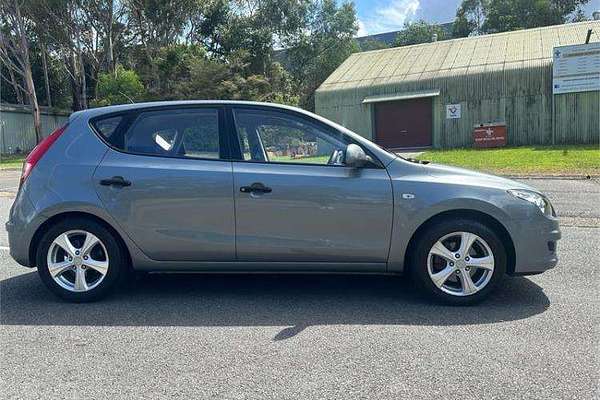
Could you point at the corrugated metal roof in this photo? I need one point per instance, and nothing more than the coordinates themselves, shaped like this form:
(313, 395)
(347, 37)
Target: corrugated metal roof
(449, 58)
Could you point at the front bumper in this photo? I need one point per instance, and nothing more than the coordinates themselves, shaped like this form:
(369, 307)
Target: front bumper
(536, 245)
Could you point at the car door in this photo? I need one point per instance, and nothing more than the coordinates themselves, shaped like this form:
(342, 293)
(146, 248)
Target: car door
(296, 201)
(167, 181)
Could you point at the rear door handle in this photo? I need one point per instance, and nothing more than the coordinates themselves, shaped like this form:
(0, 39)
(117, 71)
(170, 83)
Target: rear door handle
(115, 181)
(256, 187)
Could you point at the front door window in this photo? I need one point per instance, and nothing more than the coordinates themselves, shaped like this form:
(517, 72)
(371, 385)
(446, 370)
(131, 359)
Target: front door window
(274, 137)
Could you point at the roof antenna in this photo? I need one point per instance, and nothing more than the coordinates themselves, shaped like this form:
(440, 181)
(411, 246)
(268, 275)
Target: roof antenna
(589, 35)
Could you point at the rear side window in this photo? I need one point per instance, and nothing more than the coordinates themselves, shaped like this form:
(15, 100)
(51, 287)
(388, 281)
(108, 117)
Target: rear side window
(188, 133)
(108, 126)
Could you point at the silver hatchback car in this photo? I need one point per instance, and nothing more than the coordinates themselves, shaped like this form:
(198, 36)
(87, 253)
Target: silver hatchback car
(223, 186)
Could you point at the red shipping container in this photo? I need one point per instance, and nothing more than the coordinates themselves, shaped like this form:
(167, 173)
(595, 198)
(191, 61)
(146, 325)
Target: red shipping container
(489, 135)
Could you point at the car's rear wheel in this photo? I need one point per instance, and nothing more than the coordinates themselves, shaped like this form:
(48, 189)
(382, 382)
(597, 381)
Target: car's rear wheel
(79, 260)
(459, 261)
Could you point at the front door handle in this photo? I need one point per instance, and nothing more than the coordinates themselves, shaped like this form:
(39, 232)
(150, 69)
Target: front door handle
(256, 187)
(115, 181)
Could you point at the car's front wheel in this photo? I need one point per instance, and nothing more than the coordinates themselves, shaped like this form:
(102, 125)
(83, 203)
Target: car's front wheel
(459, 261)
(79, 260)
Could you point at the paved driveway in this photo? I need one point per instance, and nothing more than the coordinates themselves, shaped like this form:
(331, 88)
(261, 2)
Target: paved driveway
(279, 337)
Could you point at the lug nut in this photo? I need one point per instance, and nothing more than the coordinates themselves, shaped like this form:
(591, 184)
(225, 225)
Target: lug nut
(467, 268)
(83, 267)
(451, 264)
(458, 271)
(467, 258)
(457, 255)
(76, 252)
(85, 257)
(70, 258)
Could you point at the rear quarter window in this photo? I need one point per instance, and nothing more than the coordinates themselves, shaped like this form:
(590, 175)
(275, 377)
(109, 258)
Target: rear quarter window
(107, 127)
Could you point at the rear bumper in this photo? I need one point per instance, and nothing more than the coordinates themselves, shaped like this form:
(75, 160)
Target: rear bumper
(19, 246)
(22, 224)
(536, 246)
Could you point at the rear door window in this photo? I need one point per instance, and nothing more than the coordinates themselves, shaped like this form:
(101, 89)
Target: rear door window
(183, 133)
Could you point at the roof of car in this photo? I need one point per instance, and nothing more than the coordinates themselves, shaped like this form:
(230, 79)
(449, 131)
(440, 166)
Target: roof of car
(93, 112)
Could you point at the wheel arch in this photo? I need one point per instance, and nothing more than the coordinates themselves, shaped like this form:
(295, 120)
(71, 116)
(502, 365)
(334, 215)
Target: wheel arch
(43, 228)
(475, 215)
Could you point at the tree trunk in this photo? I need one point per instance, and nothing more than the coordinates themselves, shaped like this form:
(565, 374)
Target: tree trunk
(15, 86)
(111, 54)
(72, 67)
(81, 70)
(35, 109)
(29, 84)
(83, 83)
(46, 80)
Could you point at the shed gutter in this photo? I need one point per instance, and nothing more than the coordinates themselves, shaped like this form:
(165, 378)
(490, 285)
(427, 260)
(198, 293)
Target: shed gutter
(400, 96)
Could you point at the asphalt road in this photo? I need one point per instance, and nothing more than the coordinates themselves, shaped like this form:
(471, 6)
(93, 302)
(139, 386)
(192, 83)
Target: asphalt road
(280, 337)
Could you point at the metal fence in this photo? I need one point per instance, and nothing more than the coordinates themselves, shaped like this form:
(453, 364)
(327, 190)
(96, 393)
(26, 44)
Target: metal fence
(17, 133)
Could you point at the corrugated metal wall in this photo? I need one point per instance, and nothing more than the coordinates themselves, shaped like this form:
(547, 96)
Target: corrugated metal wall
(16, 127)
(496, 78)
(521, 96)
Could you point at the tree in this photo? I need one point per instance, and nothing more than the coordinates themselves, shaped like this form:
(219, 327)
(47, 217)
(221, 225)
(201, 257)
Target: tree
(112, 51)
(510, 15)
(321, 47)
(155, 24)
(122, 86)
(470, 17)
(255, 26)
(418, 32)
(14, 54)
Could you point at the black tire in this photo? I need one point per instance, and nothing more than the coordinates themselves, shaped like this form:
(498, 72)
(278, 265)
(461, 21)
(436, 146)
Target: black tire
(434, 232)
(116, 257)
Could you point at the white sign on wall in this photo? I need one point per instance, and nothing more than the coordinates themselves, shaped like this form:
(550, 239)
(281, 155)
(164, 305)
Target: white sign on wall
(576, 68)
(452, 111)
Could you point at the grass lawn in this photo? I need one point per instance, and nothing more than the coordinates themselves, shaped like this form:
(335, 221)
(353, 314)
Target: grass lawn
(533, 160)
(12, 161)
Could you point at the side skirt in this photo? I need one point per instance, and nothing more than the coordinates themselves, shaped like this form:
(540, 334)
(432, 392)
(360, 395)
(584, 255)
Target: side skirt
(262, 267)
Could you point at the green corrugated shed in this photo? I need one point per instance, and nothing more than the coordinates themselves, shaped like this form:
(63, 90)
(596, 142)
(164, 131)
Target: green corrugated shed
(505, 77)
(17, 133)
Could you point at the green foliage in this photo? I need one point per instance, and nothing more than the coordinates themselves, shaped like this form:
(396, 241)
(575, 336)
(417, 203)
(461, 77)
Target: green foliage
(320, 48)
(188, 72)
(124, 86)
(510, 15)
(470, 17)
(418, 32)
(490, 16)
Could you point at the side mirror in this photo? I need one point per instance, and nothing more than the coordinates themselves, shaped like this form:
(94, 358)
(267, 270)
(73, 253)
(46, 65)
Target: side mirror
(356, 156)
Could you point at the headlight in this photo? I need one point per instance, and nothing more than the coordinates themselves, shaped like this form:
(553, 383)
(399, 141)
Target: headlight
(535, 198)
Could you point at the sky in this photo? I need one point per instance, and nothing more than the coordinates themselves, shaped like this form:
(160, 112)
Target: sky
(377, 16)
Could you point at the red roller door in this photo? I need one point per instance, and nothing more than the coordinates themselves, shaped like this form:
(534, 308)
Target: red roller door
(404, 123)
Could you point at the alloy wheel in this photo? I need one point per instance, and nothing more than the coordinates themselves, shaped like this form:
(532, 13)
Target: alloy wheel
(77, 261)
(460, 263)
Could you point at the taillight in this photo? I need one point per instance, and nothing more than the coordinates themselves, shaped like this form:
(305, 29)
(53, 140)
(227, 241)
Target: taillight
(38, 152)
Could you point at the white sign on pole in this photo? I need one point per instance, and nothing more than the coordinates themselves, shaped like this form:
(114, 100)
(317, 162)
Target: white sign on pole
(452, 111)
(576, 68)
